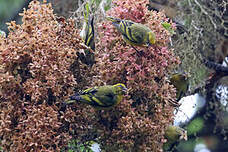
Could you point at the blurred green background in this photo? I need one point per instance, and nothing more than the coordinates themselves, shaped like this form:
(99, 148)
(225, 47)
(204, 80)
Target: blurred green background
(9, 11)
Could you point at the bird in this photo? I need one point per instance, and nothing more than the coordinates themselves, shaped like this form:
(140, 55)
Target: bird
(174, 134)
(133, 33)
(102, 97)
(87, 34)
(181, 83)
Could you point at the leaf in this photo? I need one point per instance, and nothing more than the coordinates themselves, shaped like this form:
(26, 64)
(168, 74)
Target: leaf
(98, 2)
(86, 12)
(195, 126)
(168, 27)
(108, 5)
(87, 8)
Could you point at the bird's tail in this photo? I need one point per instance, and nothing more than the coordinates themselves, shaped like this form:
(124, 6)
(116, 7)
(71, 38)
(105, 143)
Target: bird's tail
(90, 20)
(113, 20)
(73, 99)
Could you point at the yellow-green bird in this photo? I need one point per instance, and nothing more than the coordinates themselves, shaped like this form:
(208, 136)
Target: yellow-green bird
(181, 83)
(135, 34)
(100, 97)
(88, 32)
(87, 35)
(174, 134)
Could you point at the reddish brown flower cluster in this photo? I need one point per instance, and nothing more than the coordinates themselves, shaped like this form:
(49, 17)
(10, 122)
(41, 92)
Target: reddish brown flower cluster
(39, 69)
(38, 66)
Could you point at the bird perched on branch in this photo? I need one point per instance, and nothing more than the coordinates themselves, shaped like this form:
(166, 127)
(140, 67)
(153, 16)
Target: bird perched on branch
(135, 34)
(174, 135)
(181, 83)
(87, 35)
(87, 32)
(100, 97)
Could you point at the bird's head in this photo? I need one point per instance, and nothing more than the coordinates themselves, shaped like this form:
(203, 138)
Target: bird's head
(175, 133)
(184, 77)
(179, 77)
(112, 19)
(120, 87)
(151, 38)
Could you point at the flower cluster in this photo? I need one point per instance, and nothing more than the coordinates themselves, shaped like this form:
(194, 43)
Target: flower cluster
(39, 70)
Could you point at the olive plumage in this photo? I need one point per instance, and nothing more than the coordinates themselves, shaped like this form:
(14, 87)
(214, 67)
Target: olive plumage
(135, 34)
(100, 97)
(181, 83)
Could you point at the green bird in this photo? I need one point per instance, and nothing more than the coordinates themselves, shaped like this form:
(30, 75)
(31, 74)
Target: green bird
(135, 34)
(87, 34)
(174, 135)
(100, 97)
(181, 83)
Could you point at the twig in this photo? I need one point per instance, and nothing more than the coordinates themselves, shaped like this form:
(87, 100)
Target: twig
(206, 13)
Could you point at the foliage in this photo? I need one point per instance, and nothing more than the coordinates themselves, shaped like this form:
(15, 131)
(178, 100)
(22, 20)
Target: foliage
(36, 59)
(168, 27)
(206, 39)
(206, 32)
(8, 6)
(75, 146)
(195, 126)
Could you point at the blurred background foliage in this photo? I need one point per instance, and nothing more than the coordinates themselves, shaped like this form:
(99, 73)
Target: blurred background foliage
(203, 36)
(9, 11)
(7, 8)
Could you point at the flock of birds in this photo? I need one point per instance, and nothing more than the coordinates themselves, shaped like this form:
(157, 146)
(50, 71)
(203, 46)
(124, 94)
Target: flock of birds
(108, 96)
(135, 34)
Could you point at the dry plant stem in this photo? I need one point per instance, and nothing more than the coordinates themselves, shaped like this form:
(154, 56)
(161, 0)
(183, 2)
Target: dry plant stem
(206, 13)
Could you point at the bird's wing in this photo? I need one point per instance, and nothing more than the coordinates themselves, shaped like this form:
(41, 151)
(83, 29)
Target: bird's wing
(137, 33)
(89, 39)
(106, 96)
(86, 93)
(91, 91)
(131, 32)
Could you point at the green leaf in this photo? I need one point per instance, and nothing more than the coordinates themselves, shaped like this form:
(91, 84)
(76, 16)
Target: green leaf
(86, 13)
(74, 145)
(195, 126)
(98, 2)
(87, 8)
(108, 6)
(168, 27)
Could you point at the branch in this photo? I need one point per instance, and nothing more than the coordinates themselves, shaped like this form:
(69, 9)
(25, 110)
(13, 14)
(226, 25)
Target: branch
(215, 66)
(205, 12)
